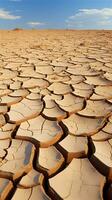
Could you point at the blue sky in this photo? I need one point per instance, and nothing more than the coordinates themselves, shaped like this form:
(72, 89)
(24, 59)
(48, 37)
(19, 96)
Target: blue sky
(56, 14)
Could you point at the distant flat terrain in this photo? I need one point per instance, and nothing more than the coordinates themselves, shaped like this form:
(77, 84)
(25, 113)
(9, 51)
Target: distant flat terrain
(55, 115)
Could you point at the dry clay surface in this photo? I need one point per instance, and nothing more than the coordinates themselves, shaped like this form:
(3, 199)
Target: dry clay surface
(55, 115)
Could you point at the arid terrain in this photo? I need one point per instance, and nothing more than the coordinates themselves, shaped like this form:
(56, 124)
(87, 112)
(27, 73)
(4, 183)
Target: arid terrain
(55, 115)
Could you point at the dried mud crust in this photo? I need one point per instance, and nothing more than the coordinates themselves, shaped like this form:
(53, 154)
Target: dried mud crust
(55, 115)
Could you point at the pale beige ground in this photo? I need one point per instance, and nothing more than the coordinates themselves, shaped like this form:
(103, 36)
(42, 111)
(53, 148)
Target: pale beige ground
(55, 115)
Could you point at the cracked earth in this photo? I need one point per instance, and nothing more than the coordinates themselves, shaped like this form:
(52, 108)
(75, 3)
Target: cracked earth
(55, 115)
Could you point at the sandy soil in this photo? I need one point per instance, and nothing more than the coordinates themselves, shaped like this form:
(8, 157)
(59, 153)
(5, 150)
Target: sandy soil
(55, 115)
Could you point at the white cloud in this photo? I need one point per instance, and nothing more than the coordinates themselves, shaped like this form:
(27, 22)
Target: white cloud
(33, 24)
(91, 18)
(4, 14)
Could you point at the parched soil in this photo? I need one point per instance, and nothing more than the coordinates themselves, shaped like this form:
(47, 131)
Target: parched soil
(55, 115)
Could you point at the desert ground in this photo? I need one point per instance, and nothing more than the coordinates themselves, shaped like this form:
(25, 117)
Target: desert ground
(55, 115)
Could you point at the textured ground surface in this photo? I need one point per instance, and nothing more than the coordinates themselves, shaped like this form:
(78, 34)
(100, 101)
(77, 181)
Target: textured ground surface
(55, 115)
